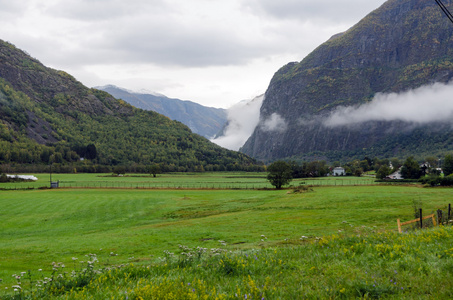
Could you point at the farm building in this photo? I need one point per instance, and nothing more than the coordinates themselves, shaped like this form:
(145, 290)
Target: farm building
(23, 177)
(338, 171)
(395, 175)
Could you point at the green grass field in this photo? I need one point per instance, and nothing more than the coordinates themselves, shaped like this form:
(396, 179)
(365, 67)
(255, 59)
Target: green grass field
(39, 227)
(208, 180)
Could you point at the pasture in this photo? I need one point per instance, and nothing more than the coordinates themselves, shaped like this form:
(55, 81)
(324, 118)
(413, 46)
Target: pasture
(139, 225)
(208, 180)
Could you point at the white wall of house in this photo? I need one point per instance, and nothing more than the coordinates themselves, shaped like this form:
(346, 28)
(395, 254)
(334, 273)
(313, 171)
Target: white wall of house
(338, 171)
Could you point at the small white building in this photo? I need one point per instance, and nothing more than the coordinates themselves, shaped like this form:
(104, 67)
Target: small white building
(338, 171)
(24, 177)
(395, 175)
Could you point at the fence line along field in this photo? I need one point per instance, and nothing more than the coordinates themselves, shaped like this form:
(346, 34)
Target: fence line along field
(208, 180)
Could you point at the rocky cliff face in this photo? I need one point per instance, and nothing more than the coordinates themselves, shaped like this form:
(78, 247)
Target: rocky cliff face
(56, 88)
(402, 45)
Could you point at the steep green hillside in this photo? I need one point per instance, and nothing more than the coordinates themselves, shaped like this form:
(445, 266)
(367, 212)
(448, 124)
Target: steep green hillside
(402, 45)
(48, 116)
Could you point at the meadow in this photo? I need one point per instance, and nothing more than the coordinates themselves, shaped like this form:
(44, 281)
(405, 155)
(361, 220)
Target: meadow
(287, 231)
(208, 180)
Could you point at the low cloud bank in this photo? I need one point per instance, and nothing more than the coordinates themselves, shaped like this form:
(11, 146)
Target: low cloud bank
(274, 123)
(427, 104)
(243, 118)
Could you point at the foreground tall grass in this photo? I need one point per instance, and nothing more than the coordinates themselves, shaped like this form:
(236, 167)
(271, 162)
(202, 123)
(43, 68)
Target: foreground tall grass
(355, 263)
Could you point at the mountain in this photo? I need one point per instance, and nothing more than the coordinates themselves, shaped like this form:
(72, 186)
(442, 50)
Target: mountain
(206, 121)
(397, 49)
(47, 116)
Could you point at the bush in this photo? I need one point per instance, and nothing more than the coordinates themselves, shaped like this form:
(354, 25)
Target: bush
(3, 178)
(434, 180)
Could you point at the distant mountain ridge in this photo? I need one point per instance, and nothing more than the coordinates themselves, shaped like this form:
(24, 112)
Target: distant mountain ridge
(205, 121)
(401, 46)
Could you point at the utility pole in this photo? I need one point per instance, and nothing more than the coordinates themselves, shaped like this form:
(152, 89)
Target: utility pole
(50, 174)
(445, 10)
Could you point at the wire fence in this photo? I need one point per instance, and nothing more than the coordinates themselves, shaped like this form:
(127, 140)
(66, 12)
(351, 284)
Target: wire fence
(129, 185)
(19, 188)
(196, 185)
(207, 185)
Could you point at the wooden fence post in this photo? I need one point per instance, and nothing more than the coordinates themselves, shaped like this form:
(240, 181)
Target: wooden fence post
(399, 225)
(439, 216)
(421, 218)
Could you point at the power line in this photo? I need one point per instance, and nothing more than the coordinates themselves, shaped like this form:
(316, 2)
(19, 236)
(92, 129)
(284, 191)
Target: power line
(445, 10)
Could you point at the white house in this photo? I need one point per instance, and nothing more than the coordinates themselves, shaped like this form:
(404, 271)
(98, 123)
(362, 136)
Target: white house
(338, 171)
(395, 175)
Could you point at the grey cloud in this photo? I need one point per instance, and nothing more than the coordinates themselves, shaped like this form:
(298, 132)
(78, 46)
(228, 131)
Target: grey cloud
(172, 41)
(161, 32)
(184, 47)
(10, 9)
(11, 6)
(423, 105)
(102, 10)
(328, 10)
(128, 32)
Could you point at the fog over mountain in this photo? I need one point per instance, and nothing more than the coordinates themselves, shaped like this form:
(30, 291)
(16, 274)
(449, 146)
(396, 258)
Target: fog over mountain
(427, 104)
(243, 118)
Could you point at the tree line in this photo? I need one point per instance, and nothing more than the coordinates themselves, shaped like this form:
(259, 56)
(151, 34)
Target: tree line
(431, 170)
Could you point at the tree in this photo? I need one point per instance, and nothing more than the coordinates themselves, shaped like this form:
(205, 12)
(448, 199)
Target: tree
(154, 170)
(396, 164)
(448, 165)
(365, 164)
(91, 151)
(383, 172)
(3, 177)
(358, 172)
(410, 169)
(317, 169)
(432, 161)
(119, 170)
(280, 174)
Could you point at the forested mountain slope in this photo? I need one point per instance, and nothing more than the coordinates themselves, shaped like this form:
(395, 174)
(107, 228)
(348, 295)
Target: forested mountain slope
(403, 45)
(206, 121)
(48, 116)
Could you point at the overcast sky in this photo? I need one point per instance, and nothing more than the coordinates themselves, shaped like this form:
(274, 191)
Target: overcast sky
(214, 52)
